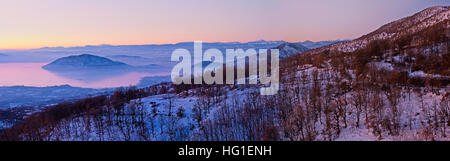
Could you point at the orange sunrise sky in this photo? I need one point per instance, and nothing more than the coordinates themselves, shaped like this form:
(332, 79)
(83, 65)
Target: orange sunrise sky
(48, 23)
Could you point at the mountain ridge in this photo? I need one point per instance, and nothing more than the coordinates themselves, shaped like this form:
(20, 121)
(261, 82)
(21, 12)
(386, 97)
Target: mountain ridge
(392, 30)
(306, 43)
(84, 61)
(289, 49)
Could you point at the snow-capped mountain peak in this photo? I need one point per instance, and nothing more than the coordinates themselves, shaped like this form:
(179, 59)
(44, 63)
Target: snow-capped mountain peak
(289, 49)
(415, 23)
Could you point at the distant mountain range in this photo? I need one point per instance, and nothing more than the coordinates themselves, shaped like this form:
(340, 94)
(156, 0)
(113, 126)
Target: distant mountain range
(139, 55)
(289, 49)
(252, 44)
(89, 61)
(129, 59)
(312, 45)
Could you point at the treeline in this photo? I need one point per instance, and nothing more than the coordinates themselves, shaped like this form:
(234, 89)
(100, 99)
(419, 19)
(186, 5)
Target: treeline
(338, 90)
(39, 125)
(323, 105)
(11, 116)
(426, 51)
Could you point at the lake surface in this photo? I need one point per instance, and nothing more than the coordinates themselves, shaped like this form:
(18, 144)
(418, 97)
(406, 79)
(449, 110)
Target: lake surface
(32, 74)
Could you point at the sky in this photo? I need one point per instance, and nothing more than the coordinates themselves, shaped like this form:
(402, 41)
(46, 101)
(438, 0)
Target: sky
(48, 23)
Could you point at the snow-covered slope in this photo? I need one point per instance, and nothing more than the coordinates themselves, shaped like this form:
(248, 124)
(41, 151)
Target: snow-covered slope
(411, 24)
(289, 49)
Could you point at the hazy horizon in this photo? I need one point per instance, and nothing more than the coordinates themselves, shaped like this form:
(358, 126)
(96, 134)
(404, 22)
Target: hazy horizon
(87, 45)
(51, 23)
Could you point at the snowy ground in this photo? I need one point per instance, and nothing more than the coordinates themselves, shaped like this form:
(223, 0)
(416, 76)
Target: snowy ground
(163, 124)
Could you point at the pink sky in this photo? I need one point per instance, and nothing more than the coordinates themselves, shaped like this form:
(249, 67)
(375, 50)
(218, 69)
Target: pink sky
(34, 24)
